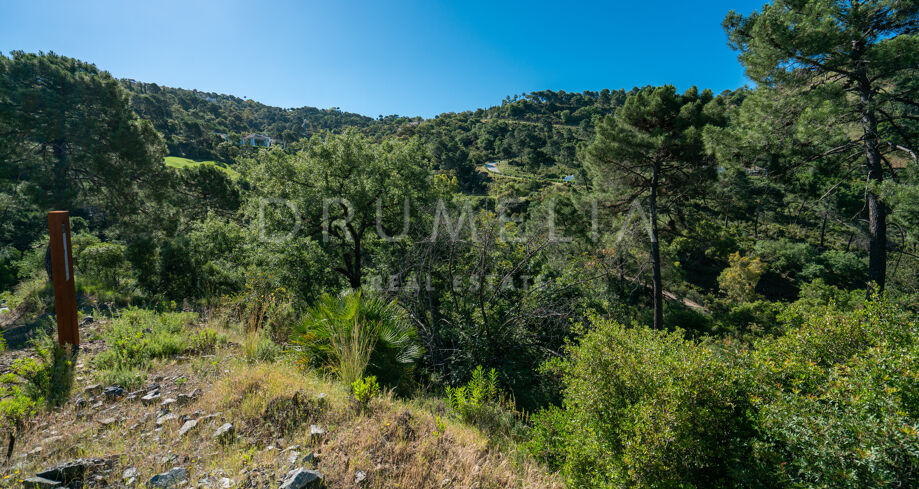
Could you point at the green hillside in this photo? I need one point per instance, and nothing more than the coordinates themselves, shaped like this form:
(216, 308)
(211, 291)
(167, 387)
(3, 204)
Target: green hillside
(179, 162)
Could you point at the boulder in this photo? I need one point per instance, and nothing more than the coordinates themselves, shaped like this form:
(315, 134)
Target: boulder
(316, 431)
(114, 392)
(188, 426)
(161, 420)
(225, 433)
(151, 398)
(171, 478)
(68, 472)
(301, 478)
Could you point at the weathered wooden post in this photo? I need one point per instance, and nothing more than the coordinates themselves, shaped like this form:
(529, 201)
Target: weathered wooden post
(65, 294)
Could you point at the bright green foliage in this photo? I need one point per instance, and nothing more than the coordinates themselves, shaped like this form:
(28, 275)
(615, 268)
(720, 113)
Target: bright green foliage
(105, 261)
(837, 399)
(205, 340)
(738, 281)
(344, 190)
(135, 338)
(482, 403)
(183, 163)
(355, 332)
(470, 400)
(35, 382)
(364, 390)
(646, 408)
(258, 348)
(833, 402)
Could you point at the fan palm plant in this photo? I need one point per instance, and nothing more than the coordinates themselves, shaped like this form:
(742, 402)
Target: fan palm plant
(352, 334)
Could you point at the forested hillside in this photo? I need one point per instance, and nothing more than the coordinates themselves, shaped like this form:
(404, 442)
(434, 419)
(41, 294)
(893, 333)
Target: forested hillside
(537, 131)
(640, 287)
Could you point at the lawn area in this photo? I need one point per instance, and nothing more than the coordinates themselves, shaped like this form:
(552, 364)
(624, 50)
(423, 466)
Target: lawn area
(179, 162)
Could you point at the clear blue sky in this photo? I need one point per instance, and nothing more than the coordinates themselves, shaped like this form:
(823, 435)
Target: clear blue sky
(409, 58)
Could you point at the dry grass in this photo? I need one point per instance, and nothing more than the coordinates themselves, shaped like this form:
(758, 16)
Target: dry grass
(272, 405)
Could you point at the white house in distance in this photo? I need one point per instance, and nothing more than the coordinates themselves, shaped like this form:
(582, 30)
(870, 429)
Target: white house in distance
(259, 140)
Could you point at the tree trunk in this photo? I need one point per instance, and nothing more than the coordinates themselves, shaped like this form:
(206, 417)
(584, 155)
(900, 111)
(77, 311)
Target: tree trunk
(877, 213)
(823, 232)
(657, 286)
(60, 187)
(354, 278)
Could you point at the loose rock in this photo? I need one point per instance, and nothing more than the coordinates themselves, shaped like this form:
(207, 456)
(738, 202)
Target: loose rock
(114, 392)
(150, 398)
(188, 426)
(225, 433)
(301, 478)
(40, 483)
(172, 478)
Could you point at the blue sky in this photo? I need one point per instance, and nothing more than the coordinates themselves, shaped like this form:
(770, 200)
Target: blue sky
(408, 58)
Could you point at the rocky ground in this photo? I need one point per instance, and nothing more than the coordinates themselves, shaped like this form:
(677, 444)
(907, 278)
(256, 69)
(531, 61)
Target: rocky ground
(218, 421)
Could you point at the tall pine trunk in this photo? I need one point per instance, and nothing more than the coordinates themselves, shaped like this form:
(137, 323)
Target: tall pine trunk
(657, 286)
(877, 213)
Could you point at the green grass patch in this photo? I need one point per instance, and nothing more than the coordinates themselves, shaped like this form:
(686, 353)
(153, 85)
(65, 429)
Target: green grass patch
(137, 337)
(179, 162)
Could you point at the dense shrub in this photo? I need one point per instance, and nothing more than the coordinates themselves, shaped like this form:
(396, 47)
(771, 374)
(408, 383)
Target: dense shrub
(646, 408)
(836, 399)
(105, 261)
(831, 402)
(354, 333)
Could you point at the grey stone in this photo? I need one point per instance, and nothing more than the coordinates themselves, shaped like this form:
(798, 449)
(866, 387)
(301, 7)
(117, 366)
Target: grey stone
(87, 320)
(129, 476)
(188, 426)
(301, 478)
(68, 472)
(151, 397)
(107, 421)
(183, 399)
(360, 476)
(225, 433)
(161, 420)
(114, 392)
(316, 430)
(93, 389)
(40, 483)
(171, 478)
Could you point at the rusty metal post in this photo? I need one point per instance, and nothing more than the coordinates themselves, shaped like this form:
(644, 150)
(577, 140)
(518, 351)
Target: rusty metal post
(65, 294)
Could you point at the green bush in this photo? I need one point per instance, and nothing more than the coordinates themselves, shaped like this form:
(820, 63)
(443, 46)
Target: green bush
(364, 390)
(31, 383)
(105, 261)
(837, 401)
(482, 403)
(645, 408)
(831, 402)
(353, 333)
(205, 340)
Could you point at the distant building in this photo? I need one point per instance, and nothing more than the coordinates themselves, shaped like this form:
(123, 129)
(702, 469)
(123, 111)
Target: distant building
(258, 140)
(209, 97)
